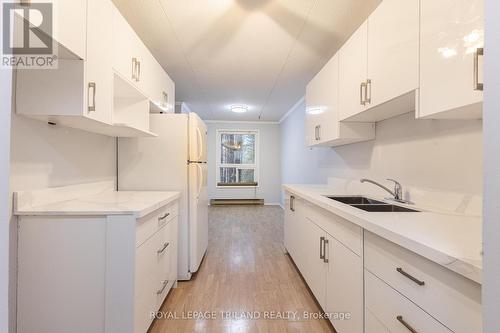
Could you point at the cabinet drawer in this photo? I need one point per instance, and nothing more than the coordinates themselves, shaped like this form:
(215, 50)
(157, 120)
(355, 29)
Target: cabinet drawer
(147, 274)
(164, 256)
(152, 273)
(344, 231)
(387, 308)
(150, 223)
(452, 299)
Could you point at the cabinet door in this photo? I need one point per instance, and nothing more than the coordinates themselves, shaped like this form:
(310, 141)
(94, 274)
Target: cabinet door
(99, 78)
(289, 225)
(314, 108)
(393, 40)
(353, 72)
(344, 287)
(322, 103)
(126, 48)
(294, 220)
(451, 33)
(70, 25)
(313, 269)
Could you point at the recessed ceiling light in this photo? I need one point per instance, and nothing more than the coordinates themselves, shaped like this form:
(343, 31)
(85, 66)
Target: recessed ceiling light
(239, 108)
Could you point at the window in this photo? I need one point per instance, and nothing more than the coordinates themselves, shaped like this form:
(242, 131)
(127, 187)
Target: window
(237, 158)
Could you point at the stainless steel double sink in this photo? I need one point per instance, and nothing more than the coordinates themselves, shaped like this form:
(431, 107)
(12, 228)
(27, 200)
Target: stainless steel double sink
(370, 205)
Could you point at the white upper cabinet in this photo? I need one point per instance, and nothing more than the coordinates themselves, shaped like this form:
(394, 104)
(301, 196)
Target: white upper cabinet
(322, 104)
(133, 62)
(79, 92)
(127, 49)
(451, 45)
(353, 71)
(67, 28)
(379, 64)
(99, 79)
(70, 25)
(109, 87)
(392, 51)
(322, 111)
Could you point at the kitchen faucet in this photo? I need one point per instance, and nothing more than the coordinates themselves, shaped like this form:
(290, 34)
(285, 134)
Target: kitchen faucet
(397, 193)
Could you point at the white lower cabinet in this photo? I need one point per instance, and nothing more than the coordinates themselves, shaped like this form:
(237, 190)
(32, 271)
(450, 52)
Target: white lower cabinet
(452, 299)
(99, 274)
(314, 270)
(396, 313)
(369, 284)
(153, 278)
(344, 287)
(333, 272)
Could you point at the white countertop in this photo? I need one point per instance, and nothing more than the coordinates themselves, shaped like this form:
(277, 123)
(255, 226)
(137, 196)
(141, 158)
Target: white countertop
(451, 240)
(105, 202)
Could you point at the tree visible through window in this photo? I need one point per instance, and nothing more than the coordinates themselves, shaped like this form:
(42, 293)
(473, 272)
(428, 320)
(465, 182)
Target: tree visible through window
(237, 160)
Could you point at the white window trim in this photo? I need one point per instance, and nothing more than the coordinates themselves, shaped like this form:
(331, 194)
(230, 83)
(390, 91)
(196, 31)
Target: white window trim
(255, 166)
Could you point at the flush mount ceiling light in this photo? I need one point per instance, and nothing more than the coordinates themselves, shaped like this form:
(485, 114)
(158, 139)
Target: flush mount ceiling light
(239, 108)
(315, 110)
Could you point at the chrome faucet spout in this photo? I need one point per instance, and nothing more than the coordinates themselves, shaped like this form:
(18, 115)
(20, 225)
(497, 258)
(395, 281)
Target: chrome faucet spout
(397, 193)
(365, 180)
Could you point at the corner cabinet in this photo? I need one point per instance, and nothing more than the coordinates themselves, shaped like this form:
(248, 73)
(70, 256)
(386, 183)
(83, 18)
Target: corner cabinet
(322, 112)
(99, 274)
(451, 58)
(327, 251)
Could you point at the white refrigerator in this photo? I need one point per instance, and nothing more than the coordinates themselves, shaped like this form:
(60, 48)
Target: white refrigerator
(175, 160)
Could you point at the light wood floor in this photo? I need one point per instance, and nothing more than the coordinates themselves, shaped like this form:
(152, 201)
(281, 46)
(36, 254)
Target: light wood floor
(244, 270)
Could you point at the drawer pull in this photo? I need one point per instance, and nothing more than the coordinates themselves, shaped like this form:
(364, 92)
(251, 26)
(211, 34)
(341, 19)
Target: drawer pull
(414, 279)
(160, 291)
(160, 251)
(161, 218)
(405, 324)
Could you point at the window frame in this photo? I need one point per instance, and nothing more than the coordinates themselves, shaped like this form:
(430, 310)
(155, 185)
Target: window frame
(254, 166)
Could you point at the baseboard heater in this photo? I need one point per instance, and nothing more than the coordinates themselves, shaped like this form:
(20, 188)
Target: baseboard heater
(235, 202)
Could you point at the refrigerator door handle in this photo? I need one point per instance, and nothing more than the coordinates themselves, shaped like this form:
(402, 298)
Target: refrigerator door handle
(200, 179)
(199, 140)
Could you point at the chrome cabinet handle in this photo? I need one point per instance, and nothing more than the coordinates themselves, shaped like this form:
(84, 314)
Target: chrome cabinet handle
(405, 324)
(134, 69)
(319, 132)
(414, 279)
(92, 86)
(160, 291)
(321, 248)
(292, 201)
(477, 85)
(325, 243)
(163, 217)
(368, 91)
(160, 251)
(361, 95)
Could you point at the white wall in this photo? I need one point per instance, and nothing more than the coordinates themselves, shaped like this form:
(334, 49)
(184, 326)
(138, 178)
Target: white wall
(46, 156)
(435, 154)
(491, 228)
(5, 105)
(269, 157)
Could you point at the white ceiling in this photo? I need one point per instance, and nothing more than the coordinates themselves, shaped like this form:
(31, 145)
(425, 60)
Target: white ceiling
(260, 53)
